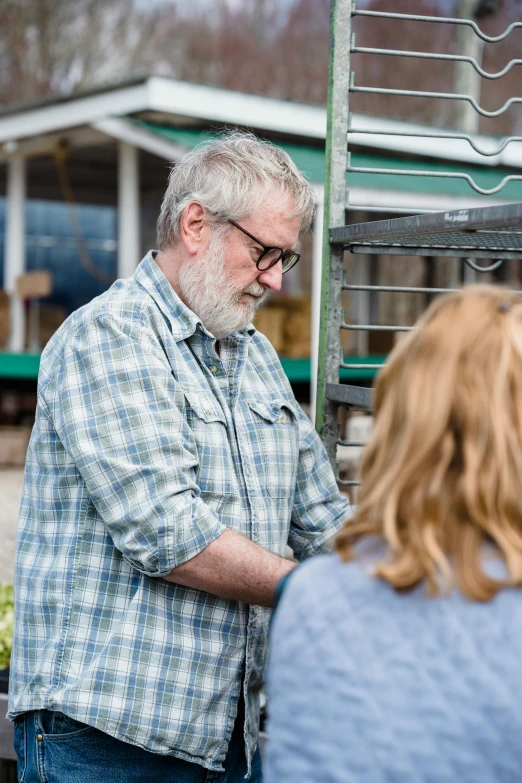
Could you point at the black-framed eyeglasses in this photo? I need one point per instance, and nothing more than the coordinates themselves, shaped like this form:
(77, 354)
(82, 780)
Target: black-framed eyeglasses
(271, 255)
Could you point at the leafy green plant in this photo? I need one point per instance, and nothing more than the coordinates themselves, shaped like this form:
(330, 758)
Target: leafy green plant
(6, 623)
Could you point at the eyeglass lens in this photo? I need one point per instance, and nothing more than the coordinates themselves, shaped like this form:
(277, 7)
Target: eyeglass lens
(290, 260)
(269, 258)
(272, 256)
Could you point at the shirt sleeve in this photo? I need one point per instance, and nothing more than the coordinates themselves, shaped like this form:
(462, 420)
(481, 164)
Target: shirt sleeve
(319, 509)
(119, 413)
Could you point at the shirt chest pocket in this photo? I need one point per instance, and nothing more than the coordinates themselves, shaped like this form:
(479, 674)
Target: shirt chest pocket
(207, 422)
(274, 440)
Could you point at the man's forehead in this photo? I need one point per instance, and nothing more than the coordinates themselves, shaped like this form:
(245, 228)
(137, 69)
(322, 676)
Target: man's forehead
(278, 202)
(275, 220)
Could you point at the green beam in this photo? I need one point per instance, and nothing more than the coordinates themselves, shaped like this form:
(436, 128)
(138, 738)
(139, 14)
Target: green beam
(19, 365)
(26, 365)
(298, 370)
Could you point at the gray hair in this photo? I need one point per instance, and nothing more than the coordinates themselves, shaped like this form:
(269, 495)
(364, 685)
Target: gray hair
(230, 177)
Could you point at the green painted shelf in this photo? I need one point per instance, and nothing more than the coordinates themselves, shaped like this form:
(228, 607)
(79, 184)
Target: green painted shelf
(19, 365)
(298, 370)
(25, 365)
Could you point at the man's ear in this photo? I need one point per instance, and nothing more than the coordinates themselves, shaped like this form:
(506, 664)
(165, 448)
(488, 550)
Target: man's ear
(193, 228)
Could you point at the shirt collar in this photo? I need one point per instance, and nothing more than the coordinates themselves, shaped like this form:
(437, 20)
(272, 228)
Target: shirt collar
(183, 320)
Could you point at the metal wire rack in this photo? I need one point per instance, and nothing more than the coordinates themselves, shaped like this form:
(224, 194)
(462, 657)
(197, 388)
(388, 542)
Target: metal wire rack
(494, 230)
(477, 240)
(487, 149)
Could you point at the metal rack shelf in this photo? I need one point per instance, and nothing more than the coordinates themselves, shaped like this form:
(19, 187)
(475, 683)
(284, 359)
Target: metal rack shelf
(480, 232)
(355, 398)
(368, 299)
(489, 232)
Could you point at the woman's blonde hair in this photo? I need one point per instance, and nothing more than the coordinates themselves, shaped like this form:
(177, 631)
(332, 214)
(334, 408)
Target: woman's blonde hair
(442, 472)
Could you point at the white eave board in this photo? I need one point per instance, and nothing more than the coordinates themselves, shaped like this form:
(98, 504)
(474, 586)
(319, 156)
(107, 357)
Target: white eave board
(169, 97)
(236, 108)
(215, 105)
(124, 130)
(73, 113)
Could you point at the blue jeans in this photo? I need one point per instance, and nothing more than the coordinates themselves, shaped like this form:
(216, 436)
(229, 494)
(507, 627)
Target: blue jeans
(72, 752)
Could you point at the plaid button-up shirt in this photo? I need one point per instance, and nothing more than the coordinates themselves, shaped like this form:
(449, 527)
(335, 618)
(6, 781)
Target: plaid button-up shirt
(146, 447)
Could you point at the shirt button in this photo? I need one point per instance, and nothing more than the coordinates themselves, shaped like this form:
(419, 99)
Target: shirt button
(39, 737)
(213, 368)
(283, 419)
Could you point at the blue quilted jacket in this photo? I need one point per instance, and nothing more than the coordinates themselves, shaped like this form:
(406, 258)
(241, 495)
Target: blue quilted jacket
(369, 686)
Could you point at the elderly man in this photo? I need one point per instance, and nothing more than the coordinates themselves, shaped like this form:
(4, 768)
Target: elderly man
(168, 468)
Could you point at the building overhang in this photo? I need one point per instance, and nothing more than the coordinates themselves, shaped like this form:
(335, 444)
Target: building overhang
(89, 118)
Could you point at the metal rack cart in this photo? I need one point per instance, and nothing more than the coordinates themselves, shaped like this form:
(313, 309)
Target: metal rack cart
(479, 239)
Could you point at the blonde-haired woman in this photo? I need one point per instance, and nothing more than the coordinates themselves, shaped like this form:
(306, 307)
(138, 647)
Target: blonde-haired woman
(400, 657)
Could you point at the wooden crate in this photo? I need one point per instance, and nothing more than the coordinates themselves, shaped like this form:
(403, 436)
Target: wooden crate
(13, 445)
(270, 321)
(286, 321)
(50, 318)
(298, 327)
(4, 318)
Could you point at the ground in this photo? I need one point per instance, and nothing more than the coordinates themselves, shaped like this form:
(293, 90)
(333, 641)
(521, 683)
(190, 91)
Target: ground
(11, 481)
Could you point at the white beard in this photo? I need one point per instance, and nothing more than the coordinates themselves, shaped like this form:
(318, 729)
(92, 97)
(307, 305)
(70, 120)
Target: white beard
(208, 289)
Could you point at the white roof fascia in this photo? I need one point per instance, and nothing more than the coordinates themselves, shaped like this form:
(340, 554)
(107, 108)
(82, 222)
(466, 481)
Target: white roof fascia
(72, 113)
(217, 105)
(225, 106)
(45, 144)
(448, 149)
(220, 105)
(123, 130)
(371, 197)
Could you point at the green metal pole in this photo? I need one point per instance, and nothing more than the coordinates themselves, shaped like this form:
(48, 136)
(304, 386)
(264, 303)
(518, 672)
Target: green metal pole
(335, 201)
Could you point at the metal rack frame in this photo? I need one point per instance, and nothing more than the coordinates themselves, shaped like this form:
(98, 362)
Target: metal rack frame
(490, 232)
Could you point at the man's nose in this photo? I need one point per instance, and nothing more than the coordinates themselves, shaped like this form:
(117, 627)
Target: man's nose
(272, 277)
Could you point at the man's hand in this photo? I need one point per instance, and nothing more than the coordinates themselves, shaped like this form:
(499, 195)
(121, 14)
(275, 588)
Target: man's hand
(234, 567)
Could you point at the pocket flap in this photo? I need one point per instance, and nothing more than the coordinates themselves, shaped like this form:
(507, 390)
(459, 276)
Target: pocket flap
(271, 409)
(205, 406)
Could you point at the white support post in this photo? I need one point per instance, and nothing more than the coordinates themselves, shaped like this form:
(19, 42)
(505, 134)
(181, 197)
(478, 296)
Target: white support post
(467, 80)
(14, 256)
(128, 209)
(317, 269)
(470, 275)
